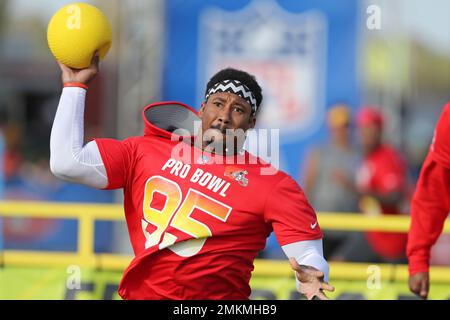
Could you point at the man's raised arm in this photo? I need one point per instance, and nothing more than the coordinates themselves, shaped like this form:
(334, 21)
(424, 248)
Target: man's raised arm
(69, 159)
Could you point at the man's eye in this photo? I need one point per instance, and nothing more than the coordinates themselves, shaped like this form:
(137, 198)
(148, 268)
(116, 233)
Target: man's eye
(217, 104)
(239, 110)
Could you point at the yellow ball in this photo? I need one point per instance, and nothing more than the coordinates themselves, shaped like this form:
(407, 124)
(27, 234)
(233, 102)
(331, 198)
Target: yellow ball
(75, 32)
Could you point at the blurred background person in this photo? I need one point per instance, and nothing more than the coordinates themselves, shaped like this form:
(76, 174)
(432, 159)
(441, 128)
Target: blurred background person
(382, 185)
(329, 175)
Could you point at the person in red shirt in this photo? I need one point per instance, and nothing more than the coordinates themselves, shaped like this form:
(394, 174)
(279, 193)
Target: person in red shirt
(430, 206)
(198, 206)
(381, 184)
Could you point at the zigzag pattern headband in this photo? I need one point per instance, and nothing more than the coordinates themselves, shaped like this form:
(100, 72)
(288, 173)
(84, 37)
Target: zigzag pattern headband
(236, 87)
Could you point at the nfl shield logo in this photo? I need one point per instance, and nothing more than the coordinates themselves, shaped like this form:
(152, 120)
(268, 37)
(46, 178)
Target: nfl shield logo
(285, 51)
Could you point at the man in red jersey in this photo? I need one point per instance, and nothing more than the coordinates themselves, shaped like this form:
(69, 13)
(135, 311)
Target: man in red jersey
(198, 207)
(382, 185)
(430, 206)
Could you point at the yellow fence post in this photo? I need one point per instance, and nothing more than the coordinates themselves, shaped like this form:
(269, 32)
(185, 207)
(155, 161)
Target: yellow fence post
(86, 240)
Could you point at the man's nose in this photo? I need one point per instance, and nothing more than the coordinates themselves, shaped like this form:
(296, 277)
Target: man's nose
(225, 115)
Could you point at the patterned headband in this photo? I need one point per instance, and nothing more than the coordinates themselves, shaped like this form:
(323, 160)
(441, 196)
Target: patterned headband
(236, 87)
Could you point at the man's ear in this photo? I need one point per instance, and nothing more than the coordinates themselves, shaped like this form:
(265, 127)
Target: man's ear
(252, 122)
(202, 110)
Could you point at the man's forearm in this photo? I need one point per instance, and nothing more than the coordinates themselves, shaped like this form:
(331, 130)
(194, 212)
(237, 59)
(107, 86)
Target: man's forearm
(308, 253)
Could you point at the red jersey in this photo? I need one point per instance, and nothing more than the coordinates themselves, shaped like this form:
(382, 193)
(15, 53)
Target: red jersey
(383, 171)
(197, 226)
(431, 201)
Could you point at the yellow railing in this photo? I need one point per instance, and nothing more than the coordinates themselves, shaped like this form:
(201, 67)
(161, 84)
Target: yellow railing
(87, 214)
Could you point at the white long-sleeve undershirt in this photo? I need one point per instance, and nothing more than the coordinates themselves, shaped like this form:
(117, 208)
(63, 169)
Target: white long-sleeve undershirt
(73, 162)
(308, 253)
(69, 159)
